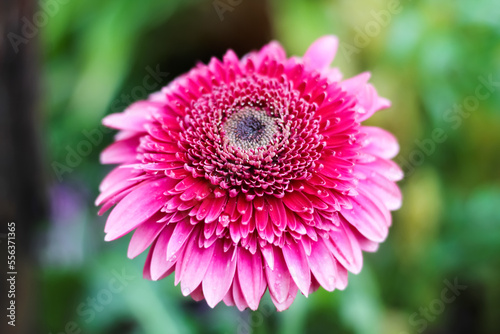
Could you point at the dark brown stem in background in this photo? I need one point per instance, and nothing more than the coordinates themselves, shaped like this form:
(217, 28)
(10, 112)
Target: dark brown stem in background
(22, 191)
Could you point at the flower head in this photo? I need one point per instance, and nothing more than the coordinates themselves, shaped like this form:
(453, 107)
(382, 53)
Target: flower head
(253, 174)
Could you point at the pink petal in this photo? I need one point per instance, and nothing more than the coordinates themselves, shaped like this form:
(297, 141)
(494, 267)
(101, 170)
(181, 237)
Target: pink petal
(248, 215)
(123, 151)
(231, 59)
(317, 202)
(357, 83)
(116, 175)
(173, 204)
(186, 183)
(296, 261)
(364, 243)
(251, 277)
(181, 233)
(145, 234)
(159, 263)
(274, 50)
(277, 211)
(278, 279)
(121, 188)
(123, 121)
(136, 207)
(144, 107)
(367, 218)
(345, 248)
(379, 204)
(220, 275)
(238, 298)
(195, 262)
(116, 188)
(323, 265)
(125, 134)
(268, 254)
(333, 74)
(383, 189)
(261, 218)
(235, 231)
(332, 166)
(205, 207)
(297, 202)
(370, 102)
(314, 285)
(146, 272)
(228, 298)
(217, 206)
(243, 205)
(292, 293)
(342, 275)
(321, 52)
(198, 190)
(379, 142)
(386, 168)
(197, 294)
(109, 203)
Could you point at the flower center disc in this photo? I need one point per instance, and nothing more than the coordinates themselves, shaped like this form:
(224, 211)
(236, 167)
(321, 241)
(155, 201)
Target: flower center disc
(250, 129)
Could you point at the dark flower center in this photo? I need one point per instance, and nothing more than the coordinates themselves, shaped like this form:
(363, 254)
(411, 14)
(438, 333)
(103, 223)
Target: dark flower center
(250, 129)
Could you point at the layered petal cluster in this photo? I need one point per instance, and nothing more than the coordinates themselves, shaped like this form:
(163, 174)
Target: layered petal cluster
(253, 174)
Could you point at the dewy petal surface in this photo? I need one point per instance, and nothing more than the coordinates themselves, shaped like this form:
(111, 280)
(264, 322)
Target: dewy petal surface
(253, 174)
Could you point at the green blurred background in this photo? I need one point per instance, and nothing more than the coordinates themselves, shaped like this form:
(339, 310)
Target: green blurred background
(431, 58)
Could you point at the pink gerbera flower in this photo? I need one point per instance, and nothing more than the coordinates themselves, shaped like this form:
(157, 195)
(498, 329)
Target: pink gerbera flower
(253, 174)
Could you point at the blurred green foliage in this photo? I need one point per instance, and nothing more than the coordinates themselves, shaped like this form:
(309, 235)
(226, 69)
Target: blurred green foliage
(426, 56)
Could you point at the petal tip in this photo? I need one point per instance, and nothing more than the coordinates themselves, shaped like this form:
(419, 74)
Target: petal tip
(322, 52)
